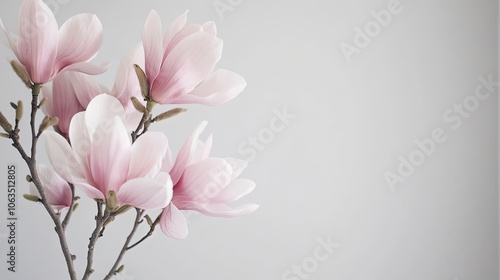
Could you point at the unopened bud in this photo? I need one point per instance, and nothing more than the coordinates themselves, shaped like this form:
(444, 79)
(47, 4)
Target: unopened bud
(143, 81)
(31, 197)
(169, 114)
(19, 110)
(138, 105)
(120, 269)
(48, 122)
(4, 135)
(75, 206)
(21, 73)
(28, 178)
(42, 102)
(148, 220)
(13, 105)
(4, 123)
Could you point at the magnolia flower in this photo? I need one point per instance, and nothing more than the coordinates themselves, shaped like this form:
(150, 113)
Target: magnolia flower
(71, 93)
(103, 162)
(204, 184)
(44, 50)
(179, 67)
(57, 190)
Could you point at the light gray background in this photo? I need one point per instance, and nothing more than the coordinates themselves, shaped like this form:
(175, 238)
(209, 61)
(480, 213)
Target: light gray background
(323, 175)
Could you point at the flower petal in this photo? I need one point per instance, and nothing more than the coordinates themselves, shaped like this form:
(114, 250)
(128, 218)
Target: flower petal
(57, 190)
(80, 38)
(188, 64)
(234, 191)
(153, 49)
(62, 157)
(37, 42)
(186, 153)
(174, 27)
(173, 223)
(101, 108)
(87, 68)
(110, 155)
(145, 193)
(84, 87)
(221, 209)
(65, 101)
(89, 190)
(210, 28)
(147, 154)
(10, 38)
(220, 87)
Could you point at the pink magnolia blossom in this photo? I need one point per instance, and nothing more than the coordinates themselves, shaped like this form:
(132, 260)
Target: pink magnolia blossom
(180, 67)
(102, 158)
(57, 190)
(71, 93)
(204, 184)
(44, 50)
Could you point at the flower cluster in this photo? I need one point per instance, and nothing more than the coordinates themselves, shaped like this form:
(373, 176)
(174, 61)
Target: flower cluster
(102, 142)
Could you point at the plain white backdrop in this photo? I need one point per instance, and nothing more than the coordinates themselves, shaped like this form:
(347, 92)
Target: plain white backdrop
(363, 98)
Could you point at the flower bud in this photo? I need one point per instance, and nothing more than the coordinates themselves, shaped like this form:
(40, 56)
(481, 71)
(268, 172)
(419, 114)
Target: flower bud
(148, 219)
(42, 102)
(169, 114)
(120, 269)
(123, 209)
(19, 110)
(4, 135)
(13, 105)
(28, 178)
(137, 105)
(48, 122)
(4, 123)
(21, 73)
(75, 206)
(31, 197)
(143, 81)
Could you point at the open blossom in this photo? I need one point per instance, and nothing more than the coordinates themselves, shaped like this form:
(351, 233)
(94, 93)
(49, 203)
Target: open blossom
(44, 50)
(102, 160)
(179, 64)
(71, 93)
(204, 184)
(57, 190)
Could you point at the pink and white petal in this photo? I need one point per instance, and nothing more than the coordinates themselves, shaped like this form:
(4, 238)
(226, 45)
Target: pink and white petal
(80, 38)
(201, 181)
(85, 87)
(210, 27)
(144, 193)
(220, 87)
(57, 190)
(37, 42)
(147, 154)
(234, 191)
(89, 190)
(80, 141)
(186, 66)
(65, 101)
(175, 26)
(87, 68)
(101, 108)
(126, 82)
(153, 48)
(186, 153)
(168, 162)
(62, 157)
(109, 155)
(173, 223)
(222, 210)
(10, 38)
(237, 166)
(189, 29)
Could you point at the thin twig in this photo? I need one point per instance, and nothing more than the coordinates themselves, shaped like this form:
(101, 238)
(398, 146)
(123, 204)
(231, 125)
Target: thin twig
(150, 232)
(100, 219)
(67, 218)
(137, 222)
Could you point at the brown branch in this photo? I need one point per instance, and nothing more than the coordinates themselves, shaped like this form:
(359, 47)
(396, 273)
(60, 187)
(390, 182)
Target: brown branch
(150, 232)
(100, 219)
